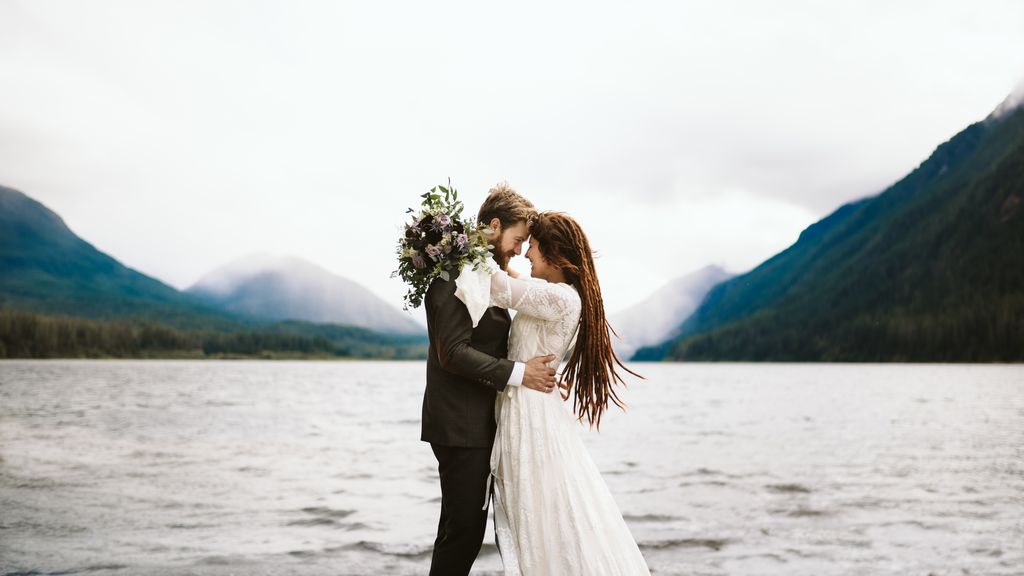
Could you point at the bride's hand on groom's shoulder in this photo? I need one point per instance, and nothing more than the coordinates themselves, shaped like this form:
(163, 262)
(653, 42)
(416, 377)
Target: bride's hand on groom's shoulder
(538, 375)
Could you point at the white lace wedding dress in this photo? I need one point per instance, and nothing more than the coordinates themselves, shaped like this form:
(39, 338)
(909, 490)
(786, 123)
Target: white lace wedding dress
(554, 514)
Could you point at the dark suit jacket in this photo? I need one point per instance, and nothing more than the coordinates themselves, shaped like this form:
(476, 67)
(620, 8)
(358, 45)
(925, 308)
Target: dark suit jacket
(465, 367)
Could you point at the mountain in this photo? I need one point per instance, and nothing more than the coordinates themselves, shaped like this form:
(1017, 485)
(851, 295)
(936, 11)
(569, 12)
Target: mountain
(658, 317)
(287, 288)
(931, 269)
(47, 268)
(60, 297)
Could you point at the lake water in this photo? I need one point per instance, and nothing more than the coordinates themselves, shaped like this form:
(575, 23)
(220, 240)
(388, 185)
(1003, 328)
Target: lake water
(315, 468)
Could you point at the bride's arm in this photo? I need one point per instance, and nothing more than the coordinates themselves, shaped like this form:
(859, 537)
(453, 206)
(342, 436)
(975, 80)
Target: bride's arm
(534, 298)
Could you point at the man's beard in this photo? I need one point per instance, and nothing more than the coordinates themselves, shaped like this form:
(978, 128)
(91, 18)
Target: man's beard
(500, 258)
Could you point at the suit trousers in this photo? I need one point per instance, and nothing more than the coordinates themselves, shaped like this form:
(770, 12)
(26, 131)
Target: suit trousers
(460, 531)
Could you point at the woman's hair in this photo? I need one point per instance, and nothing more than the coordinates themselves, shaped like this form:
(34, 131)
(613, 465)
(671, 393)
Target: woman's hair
(506, 205)
(591, 368)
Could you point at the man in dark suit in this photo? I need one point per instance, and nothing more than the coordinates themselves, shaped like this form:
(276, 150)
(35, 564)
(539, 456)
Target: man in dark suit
(466, 366)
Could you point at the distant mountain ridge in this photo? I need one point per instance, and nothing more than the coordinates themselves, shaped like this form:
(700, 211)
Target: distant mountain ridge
(931, 269)
(289, 288)
(62, 297)
(45, 267)
(659, 316)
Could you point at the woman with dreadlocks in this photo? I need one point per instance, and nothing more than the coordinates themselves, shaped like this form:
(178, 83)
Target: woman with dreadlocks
(554, 514)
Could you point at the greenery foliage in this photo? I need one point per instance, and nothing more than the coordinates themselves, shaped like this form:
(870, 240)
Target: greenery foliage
(31, 335)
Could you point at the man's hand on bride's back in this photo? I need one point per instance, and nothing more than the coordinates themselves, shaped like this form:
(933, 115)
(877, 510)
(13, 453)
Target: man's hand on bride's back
(538, 376)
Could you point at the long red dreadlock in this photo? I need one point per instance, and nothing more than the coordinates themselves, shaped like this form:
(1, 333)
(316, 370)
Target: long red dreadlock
(591, 368)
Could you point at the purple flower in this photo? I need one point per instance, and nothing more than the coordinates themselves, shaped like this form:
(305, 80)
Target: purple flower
(433, 251)
(461, 240)
(418, 261)
(440, 223)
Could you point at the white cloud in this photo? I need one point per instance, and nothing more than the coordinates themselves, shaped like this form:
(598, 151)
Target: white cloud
(639, 248)
(1012, 102)
(179, 136)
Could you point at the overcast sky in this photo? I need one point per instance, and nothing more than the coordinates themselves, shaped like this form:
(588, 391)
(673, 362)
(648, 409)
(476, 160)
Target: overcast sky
(179, 136)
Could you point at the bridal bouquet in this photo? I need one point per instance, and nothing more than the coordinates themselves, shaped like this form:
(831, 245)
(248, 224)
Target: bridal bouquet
(437, 243)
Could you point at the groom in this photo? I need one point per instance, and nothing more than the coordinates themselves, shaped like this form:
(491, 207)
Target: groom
(465, 367)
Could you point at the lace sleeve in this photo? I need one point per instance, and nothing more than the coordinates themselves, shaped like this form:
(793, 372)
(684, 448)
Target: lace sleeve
(533, 297)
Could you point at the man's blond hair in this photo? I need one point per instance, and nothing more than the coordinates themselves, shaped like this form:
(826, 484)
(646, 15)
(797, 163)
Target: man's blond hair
(507, 205)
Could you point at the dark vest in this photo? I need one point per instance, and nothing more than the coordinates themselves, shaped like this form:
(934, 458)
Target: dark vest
(465, 367)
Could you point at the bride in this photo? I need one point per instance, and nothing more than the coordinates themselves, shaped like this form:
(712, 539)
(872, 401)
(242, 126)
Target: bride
(554, 514)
